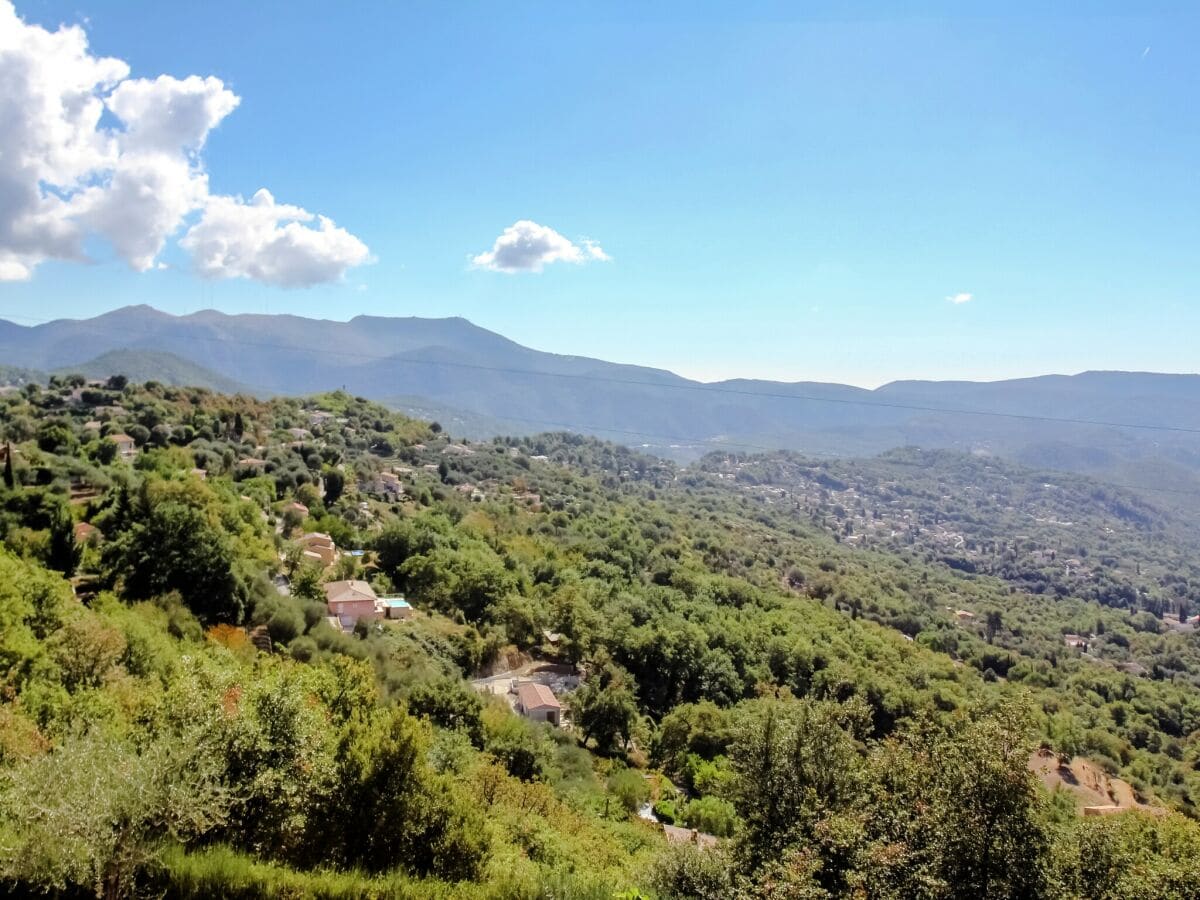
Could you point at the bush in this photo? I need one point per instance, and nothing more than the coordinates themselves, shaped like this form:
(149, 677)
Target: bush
(303, 649)
(687, 871)
(665, 811)
(630, 788)
(712, 815)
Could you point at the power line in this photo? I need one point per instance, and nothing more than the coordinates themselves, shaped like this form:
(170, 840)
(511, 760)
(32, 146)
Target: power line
(700, 388)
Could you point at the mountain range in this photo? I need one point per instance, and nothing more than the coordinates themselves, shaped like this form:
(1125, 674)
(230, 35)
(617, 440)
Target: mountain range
(478, 382)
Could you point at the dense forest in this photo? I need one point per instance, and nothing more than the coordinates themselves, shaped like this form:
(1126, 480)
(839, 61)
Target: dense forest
(791, 679)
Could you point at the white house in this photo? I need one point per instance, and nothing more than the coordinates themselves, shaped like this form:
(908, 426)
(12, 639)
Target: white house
(537, 703)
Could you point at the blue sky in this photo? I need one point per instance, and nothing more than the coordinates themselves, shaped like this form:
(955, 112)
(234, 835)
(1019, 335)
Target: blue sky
(781, 195)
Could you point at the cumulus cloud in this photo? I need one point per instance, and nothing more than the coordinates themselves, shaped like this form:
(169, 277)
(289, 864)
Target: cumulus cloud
(266, 241)
(959, 299)
(526, 246)
(65, 173)
(166, 115)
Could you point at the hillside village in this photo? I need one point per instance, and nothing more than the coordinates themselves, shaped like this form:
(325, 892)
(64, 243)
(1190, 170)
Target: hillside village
(372, 490)
(976, 517)
(558, 614)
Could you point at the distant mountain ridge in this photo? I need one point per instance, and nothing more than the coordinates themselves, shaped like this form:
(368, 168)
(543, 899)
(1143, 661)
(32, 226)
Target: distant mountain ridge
(483, 379)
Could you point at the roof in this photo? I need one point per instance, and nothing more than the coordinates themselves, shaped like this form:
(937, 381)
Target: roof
(316, 537)
(536, 696)
(348, 591)
(121, 438)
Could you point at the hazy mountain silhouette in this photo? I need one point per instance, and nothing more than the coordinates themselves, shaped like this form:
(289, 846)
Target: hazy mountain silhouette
(483, 381)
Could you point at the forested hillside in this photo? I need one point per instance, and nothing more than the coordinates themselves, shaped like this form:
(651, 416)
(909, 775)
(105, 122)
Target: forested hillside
(457, 370)
(770, 687)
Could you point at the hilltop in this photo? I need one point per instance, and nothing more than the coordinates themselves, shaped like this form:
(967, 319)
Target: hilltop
(450, 368)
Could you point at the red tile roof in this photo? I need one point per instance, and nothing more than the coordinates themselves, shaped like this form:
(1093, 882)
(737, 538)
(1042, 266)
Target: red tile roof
(536, 696)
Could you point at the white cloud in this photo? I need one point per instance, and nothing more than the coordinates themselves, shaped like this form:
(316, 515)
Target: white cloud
(143, 203)
(64, 175)
(526, 246)
(266, 241)
(959, 299)
(167, 115)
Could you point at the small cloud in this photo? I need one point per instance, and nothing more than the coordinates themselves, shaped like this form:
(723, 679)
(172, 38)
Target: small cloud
(526, 246)
(1145, 53)
(594, 251)
(270, 242)
(959, 299)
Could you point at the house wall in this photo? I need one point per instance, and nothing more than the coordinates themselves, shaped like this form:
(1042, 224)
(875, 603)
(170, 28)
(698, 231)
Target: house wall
(327, 553)
(360, 609)
(542, 715)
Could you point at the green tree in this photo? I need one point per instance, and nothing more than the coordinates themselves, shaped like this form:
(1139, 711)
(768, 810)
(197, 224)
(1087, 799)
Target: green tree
(630, 788)
(62, 554)
(56, 437)
(797, 766)
(449, 703)
(469, 579)
(993, 624)
(381, 777)
(306, 582)
(335, 483)
(177, 548)
(92, 815)
(604, 707)
(106, 451)
(712, 815)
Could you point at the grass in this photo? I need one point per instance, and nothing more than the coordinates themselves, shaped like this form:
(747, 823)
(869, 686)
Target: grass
(223, 872)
